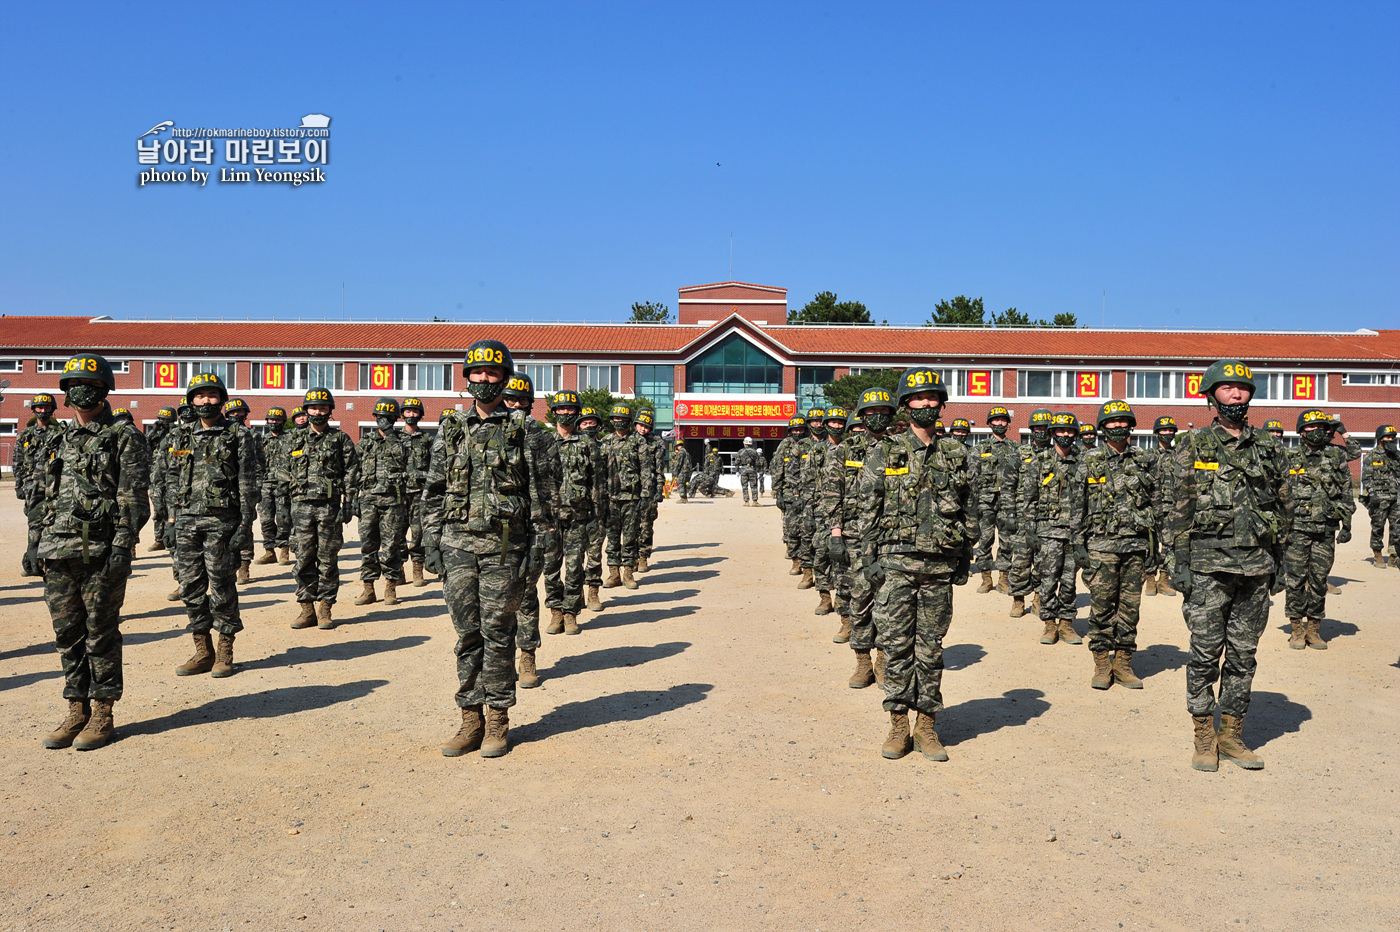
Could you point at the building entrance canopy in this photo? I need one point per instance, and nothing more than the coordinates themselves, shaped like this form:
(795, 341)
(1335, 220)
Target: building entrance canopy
(714, 415)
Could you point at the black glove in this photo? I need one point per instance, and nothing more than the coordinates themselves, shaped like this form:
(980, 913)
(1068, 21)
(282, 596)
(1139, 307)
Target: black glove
(1081, 556)
(1032, 536)
(1181, 570)
(118, 561)
(32, 563)
(836, 547)
(874, 573)
(170, 534)
(1344, 535)
(963, 571)
(432, 559)
(534, 557)
(347, 511)
(241, 538)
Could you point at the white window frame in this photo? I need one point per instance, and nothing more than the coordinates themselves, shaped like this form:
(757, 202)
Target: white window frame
(1381, 379)
(11, 365)
(56, 365)
(585, 383)
(555, 371)
(1062, 380)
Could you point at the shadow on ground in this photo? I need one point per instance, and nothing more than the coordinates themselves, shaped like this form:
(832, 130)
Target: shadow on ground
(20, 680)
(688, 561)
(272, 703)
(611, 658)
(962, 656)
(647, 598)
(978, 717)
(1273, 715)
(1159, 658)
(630, 706)
(613, 618)
(691, 576)
(342, 650)
(683, 547)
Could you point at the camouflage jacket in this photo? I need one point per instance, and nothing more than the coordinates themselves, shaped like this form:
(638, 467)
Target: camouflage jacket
(157, 432)
(420, 453)
(1231, 506)
(384, 465)
(748, 458)
(787, 470)
(1321, 489)
(916, 499)
(89, 489)
(486, 491)
(211, 471)
(657, 449)
(995, 466)
(1380, 476)
(714, 464)
(1162, 480)
(813, 462)
(27, 447)
(630, 463)
(543, 439)
(322, 467)
(1053, 494)
(277, 450)
(681, 467)
(1121, 493)
(583, 478)
(839, 505)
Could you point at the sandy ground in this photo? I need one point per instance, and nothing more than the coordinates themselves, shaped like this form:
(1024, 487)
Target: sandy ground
(694, 760)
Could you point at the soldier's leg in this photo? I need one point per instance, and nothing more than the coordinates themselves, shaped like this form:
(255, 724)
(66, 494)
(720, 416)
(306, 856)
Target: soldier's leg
(617, 520)
(627, 532)
(841, 586)
(102, 648)
(572, 573)
(1295, 568)
(986, 535)
(330, 535)
(1006, 535)
(371, 537)
(267, 518)
(1103, 577)
(393, 536)
(63, 593)
(934, 595)
(862, 599)
(896, 620)
(414, 539)
(792, 530)
(500, 589)
(821, 555)
(1019, 575)
(1066, 596)
(284, 517)
(1323, 553)
(804, 540)
(460, 590)
(220, 565)
(1393, 519)
(593, 561)
(1379, 515)
(1247, 613)
(554, 567)
(527, 627)
(305, 534)
(648, 529)
(1132, 569)
(1054, 563)
(1205, 612)
(191, 539)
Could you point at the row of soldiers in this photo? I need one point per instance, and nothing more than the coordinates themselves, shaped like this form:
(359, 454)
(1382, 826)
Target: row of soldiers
(491, 503)
(1228, 516)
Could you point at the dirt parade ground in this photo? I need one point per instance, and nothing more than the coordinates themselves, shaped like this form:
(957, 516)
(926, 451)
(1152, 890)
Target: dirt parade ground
(693, 760)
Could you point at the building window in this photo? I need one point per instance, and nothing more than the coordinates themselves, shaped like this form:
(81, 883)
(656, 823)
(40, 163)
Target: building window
(737, 367)
(811, 384)
(298, 376)
(1062, 383)
(1152, 384)
(1350, 378)
(609, 377)
(56, 365)
(175, 376)
(658, 384)
(11, 365)
(1290, 386)
(975, 383)
(411, 377)
(547, 379)
(8, 428)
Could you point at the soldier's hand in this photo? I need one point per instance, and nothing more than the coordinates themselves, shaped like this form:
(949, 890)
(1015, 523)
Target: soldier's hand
(241, 538)
(1181, 571)
(1081, 556)
(432, 559)
(963, 572)
(874, 573)
(33, 566)
(1344, 535)
(170, 534)
(346, 511)
(836, 547)
(118, 561)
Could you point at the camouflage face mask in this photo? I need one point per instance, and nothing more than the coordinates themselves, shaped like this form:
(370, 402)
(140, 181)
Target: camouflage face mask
(1118, 434)
(208, 411)
(1388, 446)
(1235, 414)
(1315, 436)
(999, 429)
(568, 420)
(878, 422)
(319, 420)
(486, 391)
(412, 419)
(385, 424)
(924, 417)
(85, 397)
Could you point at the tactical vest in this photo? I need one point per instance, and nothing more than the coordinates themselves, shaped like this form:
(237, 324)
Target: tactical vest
(487, 484)
(80, 480)
(1380, 475)
(812, 465)
(205, 469)
(1315, 490)
(1236, 497)
(625, 465)
(1120, 498)
(420, 454)
(852, 451)
(1060, 491)
(923, 498)
(995, 457)
(317, 465)
(383, 465)
(576, 478)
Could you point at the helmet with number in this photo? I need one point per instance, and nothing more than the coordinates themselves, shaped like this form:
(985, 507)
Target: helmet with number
(236, 408)
(411, 404)
(1064, 419)
(276, 414)
(620, 412)
(1116, 410)
(856, 423)
(836, 414)
(318, 396)
(585, 413)
(186, 412)
(996, 411)
(1313, 418)
(386, 408)
(1384, 431)
(44, 398)
(1088, 430)
(564, 399)
(874, 398)
(816, 423)
(796, 422)
(646, 416)
(166, 414)
(488, 353)
(1165, 422)
(1042, 418)
(87, 366)
(914, 381)
(297, 412)
(206, 381)
(520, 386)
(123, 414)
(1273, 425)
(1227, 370)
(961, 423)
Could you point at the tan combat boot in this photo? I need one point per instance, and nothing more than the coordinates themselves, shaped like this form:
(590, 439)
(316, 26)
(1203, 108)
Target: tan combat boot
(879, 667)
(268, 556)
(1003, 583)
(1052, 632)
(556, 622)
(1298, 638)
(1149, 584)
(99, 728)
(1377, 558)
(1103, 670)
(1207, 756)
(223, 657)
(628, 579)
(1067, 633)
(642, 565)
(1018, 606)
(156, 544)
(987, 584)
(497, 732)
(203, 659)
(865, 671)
(468, 737)
(1230, 740)
(174, 595)
(391, 592)
(366, 596)
(614, 578)
(1123, 670)
(570, 624)
(843, 636)
(1164, 585)
(594, 605)
(418, 580)
(284, 556)
(323, 616)
(1035, 604)
(898, 743)
(529, 679)
(807, 581)
(78, 714)
(925, 739)
(307, 616)
(243, 575)
(796, 569)
(1313, 634)
(1331, 589)
(824, 606)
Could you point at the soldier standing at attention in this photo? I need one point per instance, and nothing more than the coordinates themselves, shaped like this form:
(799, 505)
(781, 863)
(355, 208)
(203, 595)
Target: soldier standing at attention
(484, 509)
(274, 508)
(814, 475)
(1052, 499)
(420, 447)
(237, 410)
(1321, 501)
(1275, 428)
(1155, 577)
(1025, 576)
(995, 466)
(961, 431)
(589, 424)
(787, 489)
(160, 461)
(1121, 539)
(631, 487)
(27, 447)
(1380, 490)
(382, 504)
(681, 468)
(155, 439)
(918, 529)
(1340, 458)
(1226, 531)
(646, 534)
(582, 497)
(1088, 436)
(813, 454)
(747, 464)
(325, 470)
(519, 395)
(211, 484)
(87, 502)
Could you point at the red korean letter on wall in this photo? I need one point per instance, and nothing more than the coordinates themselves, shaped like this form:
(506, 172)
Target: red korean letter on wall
(381, 377)
(979, 382)
(167, 375)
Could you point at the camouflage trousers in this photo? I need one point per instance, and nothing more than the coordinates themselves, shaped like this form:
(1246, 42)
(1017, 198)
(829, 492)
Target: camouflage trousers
(1057, 590)
(913, 610)
(383, 527)
(817, 559)
(527, 617)
(566, 570)
(1024, 574)
(1226, 614)
(1307, 559)
(593, 558)
(681, 484)
(414, 542)
(1157, 556)
(646, 534)
(855, 598)
(1115, 597)
(1383, 512)
(748, 482)
(275, 516)
(483, 595)
(996, 525)
(206, 567)
(792, 528)
(823, 569)
(703, 482)
(623, 525)
(85, 605)
(316, 539)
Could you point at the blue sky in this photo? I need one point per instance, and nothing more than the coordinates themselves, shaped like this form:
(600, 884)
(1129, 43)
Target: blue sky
(1213, 165)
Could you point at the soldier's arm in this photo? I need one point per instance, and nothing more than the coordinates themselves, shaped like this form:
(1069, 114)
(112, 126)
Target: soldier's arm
(870, 500)
(967, 498)
(352, 469)
(248, 476)
(434, 489)
(132, 503)
(541, 488)
(20, 469)
(833, 493)
(648, 472)
(1353, 449)
(1182, 512)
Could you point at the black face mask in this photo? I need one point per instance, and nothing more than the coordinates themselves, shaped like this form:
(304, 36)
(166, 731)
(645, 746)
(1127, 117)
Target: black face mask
(999, 429)
(817, 431)
(85, 397)
(1040, 436)
(1388, 446)
(208, 411)
(878, 423)
(276, 426)
(835, 432)
(1235, 414)
(319, 420)
(1064, 443)
(1315, 437)
(1088, 441)
(385, 424)
(924, 417)
(1117, 434)
(798, 434)
(412, 419)
(1166, 440)
(486, 391)
(568, 420)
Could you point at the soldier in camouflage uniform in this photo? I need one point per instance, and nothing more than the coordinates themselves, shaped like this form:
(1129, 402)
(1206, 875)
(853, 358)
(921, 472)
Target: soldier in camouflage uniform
(918, 526)
(237, 411)
(274, 507)
(646, 534)
(1088, 436)
(961, 431)
(995, 466)
(382, 504)
(1322, 500)
(160, 462)
(155, 439)
(813, 456)
(29, 443)
(583, 489)
(211, 489)
(1122, 535)
(1053, 503)
(325, 479)
(1340, 457)
(589, 425)
(1155, 580)
(1024, 575)
(681, 468)
(1226, 527)
(747, 463)
(486, 503)
(813, 475)
(840, 511)
(631, 487)
(1380, 491)
(787, 488)
(1274, 428)
(87, 503)
(420, 446)
(162, 425)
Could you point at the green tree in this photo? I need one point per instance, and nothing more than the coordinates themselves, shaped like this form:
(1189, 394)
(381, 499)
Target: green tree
(846, 390)
(646, 312)
(1013, 318)
(961, 311)
(825, 309)
(1064, 320)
